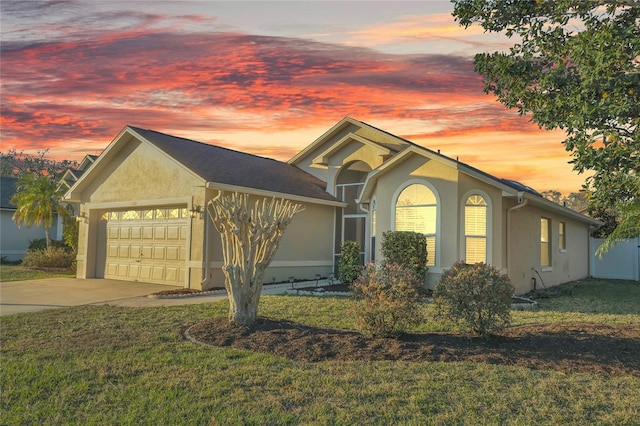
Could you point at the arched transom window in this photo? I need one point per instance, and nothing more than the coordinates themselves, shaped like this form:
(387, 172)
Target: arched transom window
(416, 210)
(475, 229)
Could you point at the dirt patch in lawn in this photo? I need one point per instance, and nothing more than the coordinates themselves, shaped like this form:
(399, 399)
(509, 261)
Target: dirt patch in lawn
(611, 350)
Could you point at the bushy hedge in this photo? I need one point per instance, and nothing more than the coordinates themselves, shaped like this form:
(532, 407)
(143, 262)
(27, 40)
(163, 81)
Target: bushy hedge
(405, 248)
(53, 257)
(41, 244)
(349, 266)
(387, 300)
(478, 296)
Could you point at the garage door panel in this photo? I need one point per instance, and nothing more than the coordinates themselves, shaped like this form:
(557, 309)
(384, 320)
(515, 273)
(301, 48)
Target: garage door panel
(112, 251)
(160, 232)
(111, 269)
(171, 274)
(134, 270)
(124, 252)
(148, 245)
(158, 273)
(123, 270)
(136, 232)
(125, 233)
(147, 232)
(173, 253)
(159, 253)
(145, 272)
(147, 252)
(113, 232)
(173, 233)
(136, 250)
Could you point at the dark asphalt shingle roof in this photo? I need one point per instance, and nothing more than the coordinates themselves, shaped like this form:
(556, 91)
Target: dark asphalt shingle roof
(221, 165)
(7, 189)
(511, 183)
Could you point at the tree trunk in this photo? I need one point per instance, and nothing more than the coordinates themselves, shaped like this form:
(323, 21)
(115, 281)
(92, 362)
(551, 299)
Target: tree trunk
(250, 239)
(47, 237)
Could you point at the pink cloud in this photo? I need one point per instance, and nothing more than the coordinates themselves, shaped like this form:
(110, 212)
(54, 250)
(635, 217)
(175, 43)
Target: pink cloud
(80, 93)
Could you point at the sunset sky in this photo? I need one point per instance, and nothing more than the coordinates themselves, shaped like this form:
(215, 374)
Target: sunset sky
(263, 77)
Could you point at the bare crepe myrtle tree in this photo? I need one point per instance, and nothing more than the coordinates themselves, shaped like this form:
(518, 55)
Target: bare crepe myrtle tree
(250, 237)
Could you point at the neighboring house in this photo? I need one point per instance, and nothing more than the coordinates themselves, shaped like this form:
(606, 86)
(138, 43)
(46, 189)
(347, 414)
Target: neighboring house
(14, 241)
(138, 199)
(71, 176)
(65, 183)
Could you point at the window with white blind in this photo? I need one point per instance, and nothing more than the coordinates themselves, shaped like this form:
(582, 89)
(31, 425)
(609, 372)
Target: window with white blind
(475, 229)
(416, 210)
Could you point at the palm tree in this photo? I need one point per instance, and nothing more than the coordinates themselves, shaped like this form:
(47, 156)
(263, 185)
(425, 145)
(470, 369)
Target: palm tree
(36, 200)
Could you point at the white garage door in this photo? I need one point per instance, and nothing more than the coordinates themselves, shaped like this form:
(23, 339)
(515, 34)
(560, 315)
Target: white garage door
(146, 245)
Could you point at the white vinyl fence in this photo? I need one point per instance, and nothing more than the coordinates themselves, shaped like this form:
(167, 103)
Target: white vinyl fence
(622, 261)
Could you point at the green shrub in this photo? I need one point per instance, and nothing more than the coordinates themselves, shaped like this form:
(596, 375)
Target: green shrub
(478, 296)
(53, 257)
(387, 300)
(70, 232)
(349, 266)
(41, 244)
(405, 248)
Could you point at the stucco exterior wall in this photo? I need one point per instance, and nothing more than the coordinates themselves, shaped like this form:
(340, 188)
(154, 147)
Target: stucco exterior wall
(141, 172)
(524, 250)
(305, 249)
(438, 177)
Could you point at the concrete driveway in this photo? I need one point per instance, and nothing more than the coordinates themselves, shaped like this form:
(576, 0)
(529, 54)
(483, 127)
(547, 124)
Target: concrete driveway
(50, 293)
(36, 295)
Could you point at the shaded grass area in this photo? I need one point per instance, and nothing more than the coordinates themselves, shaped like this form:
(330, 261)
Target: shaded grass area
(112, 365)
(20, 273)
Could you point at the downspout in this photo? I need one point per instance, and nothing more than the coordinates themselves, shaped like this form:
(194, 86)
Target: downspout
(521, 203)
(207, 241)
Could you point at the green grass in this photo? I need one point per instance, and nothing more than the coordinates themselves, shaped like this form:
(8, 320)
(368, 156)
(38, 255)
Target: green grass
(20, 273)
(111, 365)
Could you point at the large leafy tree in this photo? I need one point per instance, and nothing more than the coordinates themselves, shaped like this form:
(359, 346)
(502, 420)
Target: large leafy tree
(36, 201)
(575, 66)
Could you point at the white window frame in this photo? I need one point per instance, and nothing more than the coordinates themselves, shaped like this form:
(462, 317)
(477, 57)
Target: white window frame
(549, 243)
(489, 236)
(562, 237)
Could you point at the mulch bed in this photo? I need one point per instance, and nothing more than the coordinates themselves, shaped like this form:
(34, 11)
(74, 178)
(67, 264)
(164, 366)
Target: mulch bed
(610, 350)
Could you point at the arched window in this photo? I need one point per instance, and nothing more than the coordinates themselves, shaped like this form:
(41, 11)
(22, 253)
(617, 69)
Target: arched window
(416, 210)
(475, 229)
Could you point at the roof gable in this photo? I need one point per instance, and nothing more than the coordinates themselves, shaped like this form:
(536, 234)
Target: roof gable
(215, 165)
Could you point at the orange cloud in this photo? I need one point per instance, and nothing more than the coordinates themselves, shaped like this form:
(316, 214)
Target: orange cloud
(251, 93)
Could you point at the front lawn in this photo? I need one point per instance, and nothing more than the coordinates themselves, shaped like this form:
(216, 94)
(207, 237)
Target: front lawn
(110, 365)
(20, 273)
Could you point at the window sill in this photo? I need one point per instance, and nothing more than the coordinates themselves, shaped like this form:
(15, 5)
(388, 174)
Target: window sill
(562, 250)
(546, 269)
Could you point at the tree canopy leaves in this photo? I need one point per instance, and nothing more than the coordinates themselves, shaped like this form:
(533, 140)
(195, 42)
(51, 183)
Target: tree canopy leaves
(575, 66)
